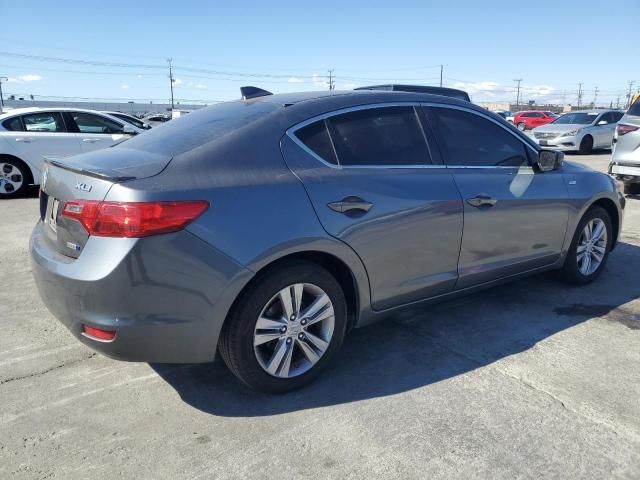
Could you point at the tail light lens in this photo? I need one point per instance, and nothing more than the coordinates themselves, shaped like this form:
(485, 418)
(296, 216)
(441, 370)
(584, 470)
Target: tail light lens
(133, 219)
(624, 129)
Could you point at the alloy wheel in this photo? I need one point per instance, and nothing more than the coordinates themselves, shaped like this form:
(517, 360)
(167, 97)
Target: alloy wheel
(294, 330)
(592, 246)
(11, 178)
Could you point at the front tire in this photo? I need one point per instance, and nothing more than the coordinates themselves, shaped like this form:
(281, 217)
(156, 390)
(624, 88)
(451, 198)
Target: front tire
(586, 145)
(286, 328)
(522, 126)
(589, 248)
(13, 178)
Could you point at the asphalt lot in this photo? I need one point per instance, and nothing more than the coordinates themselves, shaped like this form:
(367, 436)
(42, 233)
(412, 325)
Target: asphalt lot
(529, 380)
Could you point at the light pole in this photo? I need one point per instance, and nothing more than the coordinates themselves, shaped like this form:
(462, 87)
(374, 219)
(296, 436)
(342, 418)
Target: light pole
(2, 79)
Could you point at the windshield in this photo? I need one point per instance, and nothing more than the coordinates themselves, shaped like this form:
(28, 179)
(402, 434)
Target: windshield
(133, 121)
(576, 118)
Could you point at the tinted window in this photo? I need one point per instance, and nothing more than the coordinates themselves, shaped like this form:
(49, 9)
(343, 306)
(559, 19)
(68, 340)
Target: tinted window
(13, 124)
(527, 115)
(635, 108)
(616, 116)
(316, 137)
(133, 121)
(577, 118)
(43, 122)
(471, 140)
(89, 123)
(200, 127)
(379, 136)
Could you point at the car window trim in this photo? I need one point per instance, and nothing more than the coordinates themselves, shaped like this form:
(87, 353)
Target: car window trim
(290, 132)
(506, 128)
(95, 115)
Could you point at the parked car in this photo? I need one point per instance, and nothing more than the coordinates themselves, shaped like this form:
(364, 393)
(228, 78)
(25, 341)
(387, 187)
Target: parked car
(269, 227)
(28, 136)
(625, 161)
(581, 130)
(136, 122)
(156, 119)
(533, 118)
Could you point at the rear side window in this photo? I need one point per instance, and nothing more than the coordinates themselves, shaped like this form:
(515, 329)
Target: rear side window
(468, 139)
(13, 124)
(43, 122)
(379, 136)
(635, 108)
(616, 116)
(316, 137)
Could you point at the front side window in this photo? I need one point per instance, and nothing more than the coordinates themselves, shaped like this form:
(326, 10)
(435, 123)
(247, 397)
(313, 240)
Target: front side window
(43, 122)
(468, 139)
(90, 123)
(379, 136)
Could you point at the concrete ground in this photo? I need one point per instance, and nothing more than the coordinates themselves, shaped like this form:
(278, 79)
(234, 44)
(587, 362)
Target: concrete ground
(528, 380)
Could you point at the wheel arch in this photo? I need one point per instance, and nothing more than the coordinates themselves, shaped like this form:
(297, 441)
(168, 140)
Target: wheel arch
(610, 207)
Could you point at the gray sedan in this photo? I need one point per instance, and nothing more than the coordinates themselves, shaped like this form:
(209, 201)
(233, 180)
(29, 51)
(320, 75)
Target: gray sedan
(267, 228)
(581, 131)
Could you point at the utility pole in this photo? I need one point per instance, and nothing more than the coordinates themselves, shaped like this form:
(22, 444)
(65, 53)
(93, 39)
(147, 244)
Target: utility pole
(2, 79)
(441, 70)
(631, 82)
(331, 83)
(518, 80)
(618, 102)
(171, 81)
(595, 97)
(579, 94)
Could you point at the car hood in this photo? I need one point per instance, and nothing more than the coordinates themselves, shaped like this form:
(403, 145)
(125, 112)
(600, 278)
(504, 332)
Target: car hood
(559, 128)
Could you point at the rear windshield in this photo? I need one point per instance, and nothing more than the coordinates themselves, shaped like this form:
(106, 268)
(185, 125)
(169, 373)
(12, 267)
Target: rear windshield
(200, 127)
(635, 108)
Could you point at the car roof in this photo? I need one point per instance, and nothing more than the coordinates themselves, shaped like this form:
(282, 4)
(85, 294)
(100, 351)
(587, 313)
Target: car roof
(25, 110)
(596, 110)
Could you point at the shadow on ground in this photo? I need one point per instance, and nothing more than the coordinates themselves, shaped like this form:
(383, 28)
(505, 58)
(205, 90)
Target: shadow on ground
(440, 342)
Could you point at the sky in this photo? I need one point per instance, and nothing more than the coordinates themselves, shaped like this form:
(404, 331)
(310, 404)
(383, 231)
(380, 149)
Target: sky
(119, 49)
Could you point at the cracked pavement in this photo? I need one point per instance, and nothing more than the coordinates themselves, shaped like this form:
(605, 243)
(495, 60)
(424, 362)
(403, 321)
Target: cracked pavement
(532, 379)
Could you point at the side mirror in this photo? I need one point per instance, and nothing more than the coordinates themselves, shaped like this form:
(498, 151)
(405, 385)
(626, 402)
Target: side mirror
(549, 160)
(602, 122)
(146, 126)
(127, 130)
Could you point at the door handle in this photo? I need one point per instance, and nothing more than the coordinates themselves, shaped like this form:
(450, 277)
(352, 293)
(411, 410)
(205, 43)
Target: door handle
(350, 204)
(91, 140)
(482, 201)
(23, 140)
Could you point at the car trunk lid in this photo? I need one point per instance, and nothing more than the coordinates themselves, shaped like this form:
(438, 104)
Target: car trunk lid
(87, 177)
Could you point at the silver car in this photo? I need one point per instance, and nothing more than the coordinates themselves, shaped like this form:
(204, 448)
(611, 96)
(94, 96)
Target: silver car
(582, 130)
(625, 161)
(269, 227)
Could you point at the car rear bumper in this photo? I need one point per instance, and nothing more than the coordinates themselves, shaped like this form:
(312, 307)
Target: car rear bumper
(166, 296)
(625, 171)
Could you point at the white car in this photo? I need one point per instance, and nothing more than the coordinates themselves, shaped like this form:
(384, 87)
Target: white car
(583, 130)
(29, 136)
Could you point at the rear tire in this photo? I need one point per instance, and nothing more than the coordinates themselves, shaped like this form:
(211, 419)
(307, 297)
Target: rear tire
(522, 126)
(586, 145)
(632, 188)
(573, 270)
(260, 313)
(14, 178)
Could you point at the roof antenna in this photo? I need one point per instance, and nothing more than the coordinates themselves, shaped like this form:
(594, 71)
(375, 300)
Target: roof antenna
(253, 92)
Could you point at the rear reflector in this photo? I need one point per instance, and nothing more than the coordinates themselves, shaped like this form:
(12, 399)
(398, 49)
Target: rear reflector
(624, 129)
(133, 219)
(98, 333)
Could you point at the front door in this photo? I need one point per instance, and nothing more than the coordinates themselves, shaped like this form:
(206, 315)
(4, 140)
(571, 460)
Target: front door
(370, 178)
(95, 131)
(515, 219)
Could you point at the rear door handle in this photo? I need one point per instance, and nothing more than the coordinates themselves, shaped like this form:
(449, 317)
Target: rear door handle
(482, 201)
(91, 140)
(23, 140)
(350, 204)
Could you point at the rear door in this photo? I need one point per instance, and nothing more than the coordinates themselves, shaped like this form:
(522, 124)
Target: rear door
(604, 133)
(43, 135)
(95, 132)
(514, 218)
(374, 185)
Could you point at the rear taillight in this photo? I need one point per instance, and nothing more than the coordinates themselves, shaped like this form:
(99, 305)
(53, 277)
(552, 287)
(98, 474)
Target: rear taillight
(99, 334)
(133, 219)
(623, 129)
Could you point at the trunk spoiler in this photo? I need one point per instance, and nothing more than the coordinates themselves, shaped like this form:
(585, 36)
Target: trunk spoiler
(94, 172)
